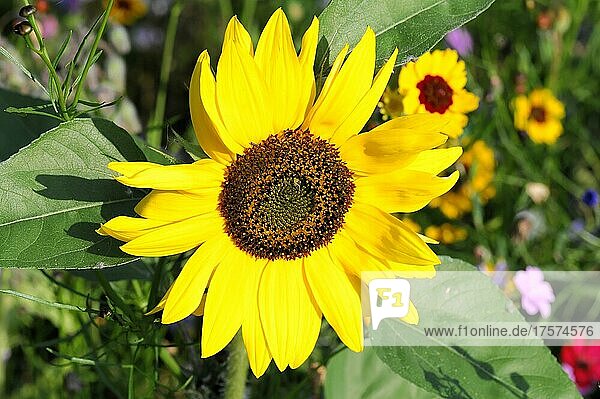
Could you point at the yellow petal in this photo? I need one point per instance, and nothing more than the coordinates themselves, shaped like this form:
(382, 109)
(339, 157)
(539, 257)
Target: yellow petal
(161, 305)
(131, 168)
(277, 60)
(307, 77)
(174, 205)
(364, 109)
(422, 122)
(413, 316)
(188, 289)
(242, 95)
(386, 237)
(435, 161)
(403, 191)
(336, 297)
(208, 126)
(346, 90)
(200, 309)
(255, 342)
(386, 150)
(355, 260)
(177, 237)
(226, 299)
(288, 313)
(464, 101)
(126, 228)
(205, 173)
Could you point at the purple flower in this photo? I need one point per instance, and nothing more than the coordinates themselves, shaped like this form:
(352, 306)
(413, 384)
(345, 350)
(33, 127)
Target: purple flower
(460, 40)
(590, 198)
(536, 294)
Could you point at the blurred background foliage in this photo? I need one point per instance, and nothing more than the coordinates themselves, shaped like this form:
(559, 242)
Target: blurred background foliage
(98, 347)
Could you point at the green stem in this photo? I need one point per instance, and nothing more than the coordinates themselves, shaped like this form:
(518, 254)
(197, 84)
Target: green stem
(237, 369)
(90, 59)
(155, 126)
(54, 81)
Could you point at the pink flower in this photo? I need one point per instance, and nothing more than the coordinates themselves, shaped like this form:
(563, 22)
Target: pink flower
(536, 294)
(460, 40)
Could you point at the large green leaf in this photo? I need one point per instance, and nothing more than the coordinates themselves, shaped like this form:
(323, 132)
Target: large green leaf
(56, 191)
(363, 375)
(412, 26)
(18, 130)
(470, 372)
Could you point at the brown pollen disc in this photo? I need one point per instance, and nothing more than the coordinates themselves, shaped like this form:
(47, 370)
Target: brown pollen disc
(538, 114)
(286, 196)
(436, 94)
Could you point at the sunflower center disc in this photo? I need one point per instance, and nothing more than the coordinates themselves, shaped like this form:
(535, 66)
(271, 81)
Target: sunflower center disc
(436, 94)
(286, 196)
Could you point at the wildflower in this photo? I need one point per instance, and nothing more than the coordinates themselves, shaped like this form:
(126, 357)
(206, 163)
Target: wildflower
(390, 105)
(590, 198)
(446, 233)
(538, 192)
(435, 83)
(460, 40)
(536, 294)
(583, 362)
(480, 163)
(293, 205)
(126, 12)
(539, 115)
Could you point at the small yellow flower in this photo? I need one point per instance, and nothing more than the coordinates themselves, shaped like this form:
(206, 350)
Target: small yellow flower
(293, 204)
(446, 233)
(126, 12)
(480, 164)
(539, 115)
(435, 83)
(390, 105)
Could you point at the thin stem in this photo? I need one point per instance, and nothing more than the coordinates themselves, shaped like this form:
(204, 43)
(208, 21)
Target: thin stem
(155, 126)
(90, 59)
(42, 52)
(237, 369)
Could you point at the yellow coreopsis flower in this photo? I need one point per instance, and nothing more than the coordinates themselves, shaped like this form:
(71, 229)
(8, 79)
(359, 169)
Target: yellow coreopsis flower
(539, 115)
(480, 162)
(293, 203)
(446, 233)
(435, 83)
(126, 12)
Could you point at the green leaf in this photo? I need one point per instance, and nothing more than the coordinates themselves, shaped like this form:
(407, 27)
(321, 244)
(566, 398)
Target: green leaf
(412, 26)
(19, 130)
(470, 372)
(363, 375)
(55, 193)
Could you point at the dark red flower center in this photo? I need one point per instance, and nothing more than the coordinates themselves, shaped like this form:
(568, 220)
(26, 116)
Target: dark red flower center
(436, 94)
(538, 114)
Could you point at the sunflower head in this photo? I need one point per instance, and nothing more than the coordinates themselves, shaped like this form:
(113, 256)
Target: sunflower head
(539, 115)
(293, 203)
(435, 83)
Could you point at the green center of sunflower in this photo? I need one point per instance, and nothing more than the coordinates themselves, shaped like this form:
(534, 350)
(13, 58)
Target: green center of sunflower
(286, 196)
(538, 114)
(435, 94)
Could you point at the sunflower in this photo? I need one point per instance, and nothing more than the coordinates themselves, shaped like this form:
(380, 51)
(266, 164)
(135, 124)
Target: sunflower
(293, 203)
(539, 115)
(126, 12)
(435, 83)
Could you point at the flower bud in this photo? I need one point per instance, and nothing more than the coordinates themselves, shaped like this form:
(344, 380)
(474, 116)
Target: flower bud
(27, 11)
(21, 27)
